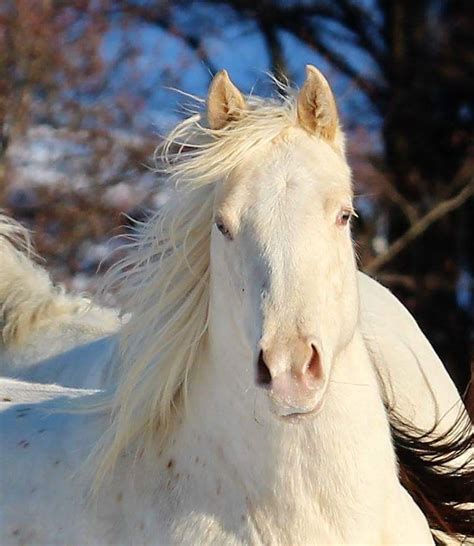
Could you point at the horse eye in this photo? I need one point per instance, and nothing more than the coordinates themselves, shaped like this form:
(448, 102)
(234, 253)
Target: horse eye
(223, 229)
(343, 217)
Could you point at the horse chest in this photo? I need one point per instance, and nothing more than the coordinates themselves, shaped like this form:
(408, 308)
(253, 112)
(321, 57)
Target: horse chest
(200, 507)
(246, 522)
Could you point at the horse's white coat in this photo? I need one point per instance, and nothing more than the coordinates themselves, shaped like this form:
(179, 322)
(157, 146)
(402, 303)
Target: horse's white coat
(229, 471)
(60, 343)
(17, 392)
(92, 365)
(245, 479)
(414, 379)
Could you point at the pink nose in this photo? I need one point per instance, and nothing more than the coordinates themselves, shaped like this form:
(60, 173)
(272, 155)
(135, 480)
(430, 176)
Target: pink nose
(293, 375)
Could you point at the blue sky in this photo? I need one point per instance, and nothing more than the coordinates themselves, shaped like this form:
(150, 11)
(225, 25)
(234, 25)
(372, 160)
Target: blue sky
(164, 60)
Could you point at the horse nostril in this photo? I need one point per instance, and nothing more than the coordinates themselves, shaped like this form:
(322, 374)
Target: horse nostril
(314, 366)
(263, 373)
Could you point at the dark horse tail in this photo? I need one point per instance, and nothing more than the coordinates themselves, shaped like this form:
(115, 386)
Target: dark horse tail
(436, 470)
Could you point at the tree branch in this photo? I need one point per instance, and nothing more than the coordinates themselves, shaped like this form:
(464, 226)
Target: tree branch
(417, 229)
(357, 19)
(303, 31)
(274, 47)
(396, 197)
(155, 17)
(300, 21)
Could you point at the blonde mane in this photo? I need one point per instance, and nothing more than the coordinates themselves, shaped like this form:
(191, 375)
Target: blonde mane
(34, 308)
(28, 297)
(164, 280)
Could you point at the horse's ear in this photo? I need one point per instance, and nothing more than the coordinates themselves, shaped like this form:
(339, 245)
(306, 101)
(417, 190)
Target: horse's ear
(317, 111)
(225, 102)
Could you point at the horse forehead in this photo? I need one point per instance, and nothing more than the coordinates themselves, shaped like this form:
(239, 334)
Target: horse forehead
(291, 175)
(296, 148)
(282, 159)
(296, 162)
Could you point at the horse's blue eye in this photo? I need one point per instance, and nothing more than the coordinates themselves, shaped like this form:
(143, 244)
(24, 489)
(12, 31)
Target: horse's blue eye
(344, 217)
(223, 229)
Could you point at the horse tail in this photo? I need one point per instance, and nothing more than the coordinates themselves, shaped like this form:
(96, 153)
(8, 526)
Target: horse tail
(437, 469)
(28, 297)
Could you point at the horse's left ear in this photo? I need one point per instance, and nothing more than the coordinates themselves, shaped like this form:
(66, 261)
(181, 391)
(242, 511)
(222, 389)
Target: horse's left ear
(317, 111)
(225, 102)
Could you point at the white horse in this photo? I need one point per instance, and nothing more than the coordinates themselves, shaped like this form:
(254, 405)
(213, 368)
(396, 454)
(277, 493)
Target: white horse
(247, 410)
(413, 379)
(37, 319)
(49, 336)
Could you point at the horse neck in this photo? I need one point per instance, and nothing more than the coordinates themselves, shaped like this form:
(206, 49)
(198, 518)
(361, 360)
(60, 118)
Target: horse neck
(229, 424)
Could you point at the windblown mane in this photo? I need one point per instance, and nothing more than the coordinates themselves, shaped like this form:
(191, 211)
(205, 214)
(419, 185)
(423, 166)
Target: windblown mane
(163, 282)
(437, 469)
(15, 234)
(27, 295)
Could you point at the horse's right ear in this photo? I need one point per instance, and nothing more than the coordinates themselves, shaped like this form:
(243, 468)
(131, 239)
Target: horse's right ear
(225, 103)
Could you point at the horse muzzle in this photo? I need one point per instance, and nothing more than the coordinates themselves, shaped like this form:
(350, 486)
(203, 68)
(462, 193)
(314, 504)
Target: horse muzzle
(296, 386)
